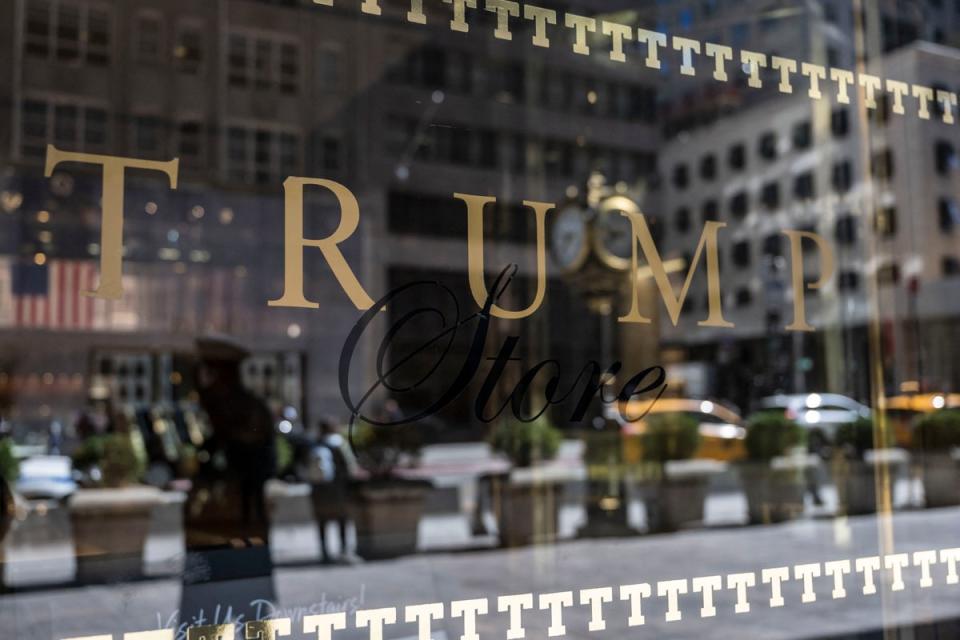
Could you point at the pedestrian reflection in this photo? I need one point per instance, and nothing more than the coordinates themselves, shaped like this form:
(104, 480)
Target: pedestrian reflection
(228, 554)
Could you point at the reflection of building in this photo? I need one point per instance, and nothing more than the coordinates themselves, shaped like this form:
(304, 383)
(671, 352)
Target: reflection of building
(818, 31)
(889, 216)
(247, 93)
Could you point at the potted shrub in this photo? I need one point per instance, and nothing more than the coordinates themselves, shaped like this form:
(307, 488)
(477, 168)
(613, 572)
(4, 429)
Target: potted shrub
(774, 474)
(111, 514)
(937, 437)
(386, 507)
(856, 463)
(9, 471)
(526, 503)
(678, 484)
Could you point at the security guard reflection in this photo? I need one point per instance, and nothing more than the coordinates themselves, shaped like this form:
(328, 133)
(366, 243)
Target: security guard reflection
(228, 566)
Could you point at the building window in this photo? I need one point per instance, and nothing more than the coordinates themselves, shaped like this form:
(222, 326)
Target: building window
(190, 142)
(37, 32)
(888, 274)
(840, 122)
(289, 68)
(708, 167)
(189, 49)
(95, 129)
(262, 64)
(711, 211)
(739, 204)
(881, 165)
(265, 63)
(68, 125)
(886, 222)
(737, 156)
(950, 266)
(842, 176)
(802, 135)
(71, 32)
(945, 157)
(681, 220)
(149, 39)
(770, 195)
(949, 214)
(261, 156)
(741, 254)
(331, 154)
(681, 177)
(804, 187)
(773, 245)
(328, 68)
(744, 297)
(148, 136)
(237, 62)
(98, 37)
(767, 147)
(848, 281)
(68, 33)
(845, 230)
(881, 114)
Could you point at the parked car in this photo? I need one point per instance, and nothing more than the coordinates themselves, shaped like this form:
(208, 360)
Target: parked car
(46, 477)
(819, 413)
(721, 428)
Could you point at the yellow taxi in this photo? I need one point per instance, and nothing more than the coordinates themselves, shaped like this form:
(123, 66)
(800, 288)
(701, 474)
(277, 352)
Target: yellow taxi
(721, 428)
(903, 410)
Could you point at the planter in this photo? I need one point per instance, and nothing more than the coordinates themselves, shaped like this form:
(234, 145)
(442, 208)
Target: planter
(676, 501)
(857, 482)
(8, 510)
(941, 479)
(526, 503)
(386, 515)
(110, 529)
(775, 491)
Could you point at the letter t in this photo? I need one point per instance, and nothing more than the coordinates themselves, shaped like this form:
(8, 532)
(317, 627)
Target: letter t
(111, 226)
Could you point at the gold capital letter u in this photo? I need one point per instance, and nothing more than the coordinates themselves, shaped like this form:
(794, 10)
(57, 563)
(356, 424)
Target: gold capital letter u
(475, 205)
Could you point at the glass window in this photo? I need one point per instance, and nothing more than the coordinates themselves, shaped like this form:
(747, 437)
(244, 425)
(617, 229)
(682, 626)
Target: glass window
(886, 222)
(68, 32)
(737, 156)
(770, 195)
(840, 122)
(842, 176)
(802, 135)
(98, 37)
(739, 204)
(149, 39)
(37, 32)
(767, 146)
(190, 142)
(804, 187)
(945, 156)
(708, 167)
(406, 318)
(238, 73)
(188, 51)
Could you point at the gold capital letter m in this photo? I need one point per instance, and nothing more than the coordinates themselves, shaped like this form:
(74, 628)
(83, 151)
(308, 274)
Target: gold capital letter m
(674, 303)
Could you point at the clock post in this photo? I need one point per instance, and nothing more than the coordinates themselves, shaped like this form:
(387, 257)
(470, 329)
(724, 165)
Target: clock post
(592, 242)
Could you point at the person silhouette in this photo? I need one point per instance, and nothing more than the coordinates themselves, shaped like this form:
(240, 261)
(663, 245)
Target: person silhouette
(228, 569)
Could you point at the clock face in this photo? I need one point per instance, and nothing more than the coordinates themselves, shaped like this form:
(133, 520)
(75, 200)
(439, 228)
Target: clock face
(614, 232)
(568, 238)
